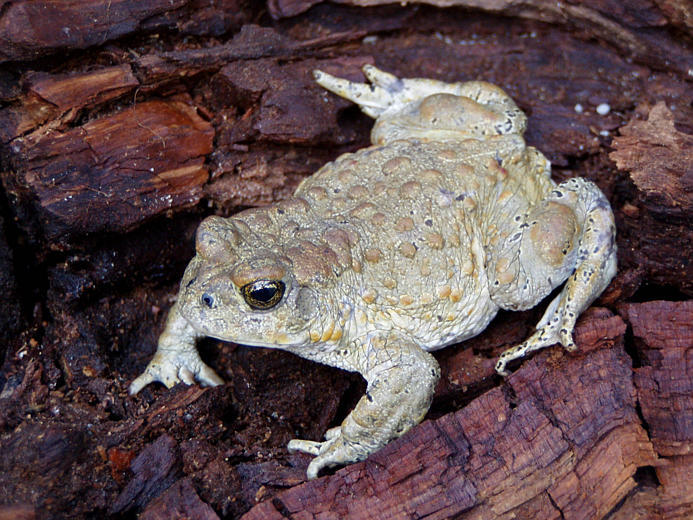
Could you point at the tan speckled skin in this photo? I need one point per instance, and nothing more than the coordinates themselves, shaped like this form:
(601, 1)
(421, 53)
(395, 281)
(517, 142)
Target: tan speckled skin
(395, 250)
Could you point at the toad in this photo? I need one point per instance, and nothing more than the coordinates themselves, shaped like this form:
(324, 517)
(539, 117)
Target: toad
(394, 251)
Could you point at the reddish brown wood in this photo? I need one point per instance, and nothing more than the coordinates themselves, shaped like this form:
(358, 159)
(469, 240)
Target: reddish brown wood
(607, 20)
(17, 512)
(179, 501)
(664, 335)
(58, 98)
(657, 157)
(154, 470)
(541, 445)
(676, 497)
(114, 171)
(33, 28)
(152, 116)
(76, 91)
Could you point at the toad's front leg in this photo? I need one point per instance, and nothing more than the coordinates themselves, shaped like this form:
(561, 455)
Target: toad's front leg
(401, 379)
(176, 359)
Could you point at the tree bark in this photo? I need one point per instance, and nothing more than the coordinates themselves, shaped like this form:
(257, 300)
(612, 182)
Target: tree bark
(123, 124)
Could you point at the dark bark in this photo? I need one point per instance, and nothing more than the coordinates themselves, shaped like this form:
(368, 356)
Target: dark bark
(123, 124)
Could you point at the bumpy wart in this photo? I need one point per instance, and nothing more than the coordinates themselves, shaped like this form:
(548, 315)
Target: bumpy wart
(396, 250)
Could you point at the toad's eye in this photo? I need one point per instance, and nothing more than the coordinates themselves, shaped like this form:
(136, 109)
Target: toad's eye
(263, 294)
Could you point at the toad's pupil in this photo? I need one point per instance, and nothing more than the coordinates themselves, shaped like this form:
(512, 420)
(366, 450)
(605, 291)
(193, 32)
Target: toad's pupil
(263, 294)
(208, 300)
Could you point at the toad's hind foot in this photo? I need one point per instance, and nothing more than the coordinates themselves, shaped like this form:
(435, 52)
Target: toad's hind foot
(333, 451)
(385, 93)
(556, 332)
(595, 266)
(401, 379)
(426, 108)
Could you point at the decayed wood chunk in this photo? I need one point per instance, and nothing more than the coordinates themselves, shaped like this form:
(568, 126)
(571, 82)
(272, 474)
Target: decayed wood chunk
(665, 382)
(541, 446)
(58, 98)
(598, 21)
(676, 494)
(115, 171)
(72, 91)
(679, 13)
(18, 512)
(155, 469)
(658, 158)
(34, 28)
(179, 501)
(664, 335)
(251, 42)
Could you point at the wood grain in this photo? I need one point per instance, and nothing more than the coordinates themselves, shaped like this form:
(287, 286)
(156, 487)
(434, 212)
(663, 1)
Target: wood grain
(123, 124)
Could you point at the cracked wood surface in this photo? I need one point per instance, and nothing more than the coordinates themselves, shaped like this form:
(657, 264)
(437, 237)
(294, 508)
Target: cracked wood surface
(538, 446)
(118, 136)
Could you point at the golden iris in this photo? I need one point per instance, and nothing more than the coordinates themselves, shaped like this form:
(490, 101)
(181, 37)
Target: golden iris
(263, 294)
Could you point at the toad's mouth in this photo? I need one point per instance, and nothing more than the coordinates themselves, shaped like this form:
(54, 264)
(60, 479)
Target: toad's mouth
(251, 329)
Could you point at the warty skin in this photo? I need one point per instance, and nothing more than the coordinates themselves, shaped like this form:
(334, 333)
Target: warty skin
(394, 251)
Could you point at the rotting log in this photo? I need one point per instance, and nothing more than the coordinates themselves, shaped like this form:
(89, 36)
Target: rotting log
(664, 337)
(32, 29)
(612, 23)
(123, 124)
(115, 171)
(538, 446)
(658, 158)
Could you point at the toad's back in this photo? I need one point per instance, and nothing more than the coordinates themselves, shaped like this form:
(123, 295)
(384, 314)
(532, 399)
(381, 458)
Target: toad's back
(419, 216)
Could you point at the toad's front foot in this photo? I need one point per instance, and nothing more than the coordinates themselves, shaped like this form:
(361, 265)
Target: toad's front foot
(171, 367)
(401, 379)
(176, 359)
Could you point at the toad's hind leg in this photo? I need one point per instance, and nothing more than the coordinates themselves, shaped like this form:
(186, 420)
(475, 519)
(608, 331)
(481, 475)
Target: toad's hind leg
(590, 265)
(426, 108)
